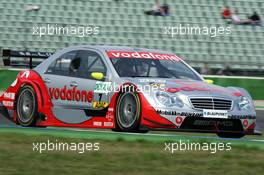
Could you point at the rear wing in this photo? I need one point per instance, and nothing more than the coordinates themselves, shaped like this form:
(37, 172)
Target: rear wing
(23, 58)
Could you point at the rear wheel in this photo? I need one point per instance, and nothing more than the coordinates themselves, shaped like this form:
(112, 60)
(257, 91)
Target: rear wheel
(230, 135)
(27, 107)
(128, 111)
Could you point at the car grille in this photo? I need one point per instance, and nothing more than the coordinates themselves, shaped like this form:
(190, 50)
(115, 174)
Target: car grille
(211, 103)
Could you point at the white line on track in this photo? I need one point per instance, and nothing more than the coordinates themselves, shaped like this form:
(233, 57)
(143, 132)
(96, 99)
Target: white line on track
(256, 140)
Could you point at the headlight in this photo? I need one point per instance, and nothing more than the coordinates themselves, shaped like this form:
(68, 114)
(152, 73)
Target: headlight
(244, 104)
(167, 100)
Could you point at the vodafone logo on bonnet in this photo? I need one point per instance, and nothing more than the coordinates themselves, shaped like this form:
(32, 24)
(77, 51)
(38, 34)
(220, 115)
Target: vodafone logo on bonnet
(71, 94)
(144, 55)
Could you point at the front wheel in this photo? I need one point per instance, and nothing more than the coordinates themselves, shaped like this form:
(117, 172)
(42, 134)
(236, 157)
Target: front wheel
(128, 112)
(26, 106)
(230, 135)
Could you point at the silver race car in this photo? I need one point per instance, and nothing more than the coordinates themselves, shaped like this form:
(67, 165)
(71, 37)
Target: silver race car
(126, 89)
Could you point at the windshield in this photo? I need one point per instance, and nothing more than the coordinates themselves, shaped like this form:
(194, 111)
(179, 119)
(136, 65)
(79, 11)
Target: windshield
(156, 68)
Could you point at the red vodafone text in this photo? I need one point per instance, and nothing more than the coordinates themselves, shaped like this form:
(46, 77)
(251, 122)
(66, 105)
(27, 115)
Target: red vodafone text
(143, 55)
(71, 94)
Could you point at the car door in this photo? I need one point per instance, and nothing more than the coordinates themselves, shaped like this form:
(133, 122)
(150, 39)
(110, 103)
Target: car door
(71, 86)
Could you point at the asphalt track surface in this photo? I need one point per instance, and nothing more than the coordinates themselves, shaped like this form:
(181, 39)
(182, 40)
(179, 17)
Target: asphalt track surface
(7, 124)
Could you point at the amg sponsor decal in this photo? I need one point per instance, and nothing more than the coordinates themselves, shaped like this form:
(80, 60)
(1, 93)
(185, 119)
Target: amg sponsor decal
(143, 55)
(71, 94)
(213, 123)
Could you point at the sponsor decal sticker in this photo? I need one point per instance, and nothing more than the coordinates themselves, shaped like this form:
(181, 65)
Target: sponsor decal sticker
(163, 112)
(100, 104)
(245, 123)
(71, 94)
(9, 95)
(207, 113)
(97, 123)
(25, 74)
(185, 88)
(8, 103)
(108, 124)
(102, 87)
(151, 81)
(242, 117)
(178, 120)
(110, 109)
(143, 55)
(187, 114)
(153, 84)
(110, 116)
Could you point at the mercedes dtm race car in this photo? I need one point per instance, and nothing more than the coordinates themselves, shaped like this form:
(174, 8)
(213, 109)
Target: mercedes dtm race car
(125, 89)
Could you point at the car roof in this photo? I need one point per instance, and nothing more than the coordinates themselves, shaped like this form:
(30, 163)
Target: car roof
(120, 48)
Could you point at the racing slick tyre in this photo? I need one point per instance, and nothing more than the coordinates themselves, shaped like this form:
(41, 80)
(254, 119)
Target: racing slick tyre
(26, 106)
(230, 135)
(128, 112)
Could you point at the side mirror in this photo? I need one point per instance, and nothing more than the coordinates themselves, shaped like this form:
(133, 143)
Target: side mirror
(209, 81)
(97, 75)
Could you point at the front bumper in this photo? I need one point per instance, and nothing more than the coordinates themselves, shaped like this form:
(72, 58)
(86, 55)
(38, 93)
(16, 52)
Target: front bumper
(196, 121)
(188, 119)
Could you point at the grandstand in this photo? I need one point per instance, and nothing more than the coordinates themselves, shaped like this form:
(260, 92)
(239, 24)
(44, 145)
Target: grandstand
(124, 23)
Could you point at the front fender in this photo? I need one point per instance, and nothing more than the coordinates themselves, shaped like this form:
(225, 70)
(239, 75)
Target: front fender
(27, 77)
(243, 92)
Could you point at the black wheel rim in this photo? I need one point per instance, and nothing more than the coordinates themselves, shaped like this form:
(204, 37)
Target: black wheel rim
(26, 105)
(127, 111)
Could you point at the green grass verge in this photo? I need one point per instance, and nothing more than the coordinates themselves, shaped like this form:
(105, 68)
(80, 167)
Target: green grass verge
(117, 156)
(246, 142)
(6, 78)
(254, 87)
